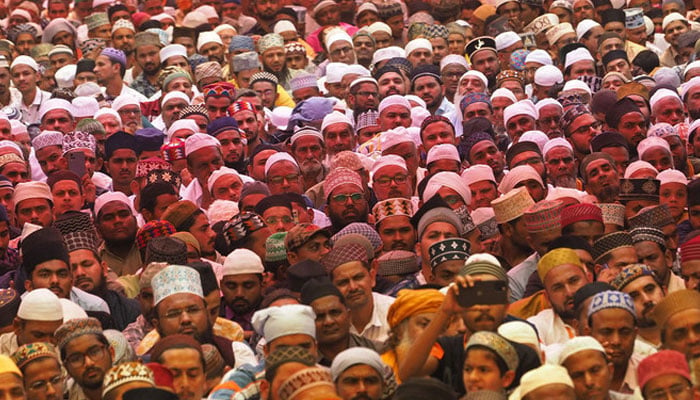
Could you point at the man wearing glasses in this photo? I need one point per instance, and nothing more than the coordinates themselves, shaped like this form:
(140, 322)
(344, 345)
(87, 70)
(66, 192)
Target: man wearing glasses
(87, 356)
(41, 370)
(345, 198)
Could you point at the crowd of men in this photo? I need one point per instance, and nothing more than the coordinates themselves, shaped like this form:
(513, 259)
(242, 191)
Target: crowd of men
(349, 199)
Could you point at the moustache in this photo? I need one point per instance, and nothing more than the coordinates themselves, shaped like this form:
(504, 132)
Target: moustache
(485, 317)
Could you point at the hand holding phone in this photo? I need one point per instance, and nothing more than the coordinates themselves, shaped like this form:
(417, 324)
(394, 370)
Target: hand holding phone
(483, 293)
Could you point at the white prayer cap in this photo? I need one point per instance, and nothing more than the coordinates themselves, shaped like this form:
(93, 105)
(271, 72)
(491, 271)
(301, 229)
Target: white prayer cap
(175, 94)
(163, 17)
(335, 72)
(87, 88)
(65, 76)
(224, 27)
(690, 66)
(17, 127)
(336, 117)
(537, 137)
(278, 157)
(447, 179)
(221, 210)
(477, 74)
(523, 107)
(558, 31)
(194, 19)
(453, 59)
(242, 261)
(338, 35)
(506, 39)
(358, 70)
(176, 279)
(208, 37)
(172, 50)
(25, 60)
(649, 25)
(519, 332)
(388, 53)
(578, 344)
(305, 131)
(199, 141)
(394, 100)
(638, 166)
(584, 26)
(394, 137)
(443, 151)
(477, 173)
(503, 92)
(123, 24)
(180, 124)
(85, 107)
(223, 171)
(279, 117)
(356, 356)
(548, 75)
(284, 26)
(539, 56)
(55, 104)
(40, 305)
(123, 101)
(547, 102)
(8, 144)
(661, 94)
(207, 11)
(292, 319)
(547, 374)
(108, 197)
(416, 44)
(674, 16)
(672, 176)
(557, 193)
(556, 142)
(416, 99)
(60, 49)
(580, 54)
(481, 215)
(71, 311)
(389, 160)
(516, 175)
(650, 143)
(46, 139)
(576, 84)
(418, 115)
(378, 26)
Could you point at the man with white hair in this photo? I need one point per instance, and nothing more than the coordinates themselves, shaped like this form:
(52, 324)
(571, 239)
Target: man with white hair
(560, 163)
(550, 112)
(309, 151)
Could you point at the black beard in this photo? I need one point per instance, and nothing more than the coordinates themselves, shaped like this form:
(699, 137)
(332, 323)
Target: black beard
(608, 194)
(694, 114)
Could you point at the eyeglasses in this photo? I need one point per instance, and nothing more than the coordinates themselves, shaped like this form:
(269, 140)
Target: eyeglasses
(586, 128)
(386, 180)
(77, 360)
(342, 198)
(346, 49)
(275, 220)
(278, 180)
(129, 111)
(452, 199)
(192, 310)
(42, 386)
(367, 94)
(676, 392)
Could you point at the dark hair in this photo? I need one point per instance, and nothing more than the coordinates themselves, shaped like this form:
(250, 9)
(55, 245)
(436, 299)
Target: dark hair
(100, 337)
(647, 60)
(150, 193)
(206, 275)
(570, 241)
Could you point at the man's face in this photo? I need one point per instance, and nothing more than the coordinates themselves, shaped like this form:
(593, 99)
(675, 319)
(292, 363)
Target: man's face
(36, 211)
(360, 382)
(217, 106)
(88, 360)
(615, 329)
(397, 233)
(669, 110)
(394, 116)
(122, 166)
(36, 331)
(583, 10)
(267, 92)
(171, 110)
(258, 164)
(483, 317)
(682, 333)
(24, 78)
(332, 319)
(66, 196)
(391, 83)
(148, 58)
(591, 373)
(242, 293)
(561, 167)
(486, 62)
(339, 137)
(249, 124)
(483, 192)
(57, 9)
(673, 30)
(203, 162)
(518, 125)
(189, 380)
(61, 59)
(88, 272)
(153, 7)
(345, 206)
(366, 95)
(549, 121)
(47, 370)
(342, 51)
(123, 39)
(213, 52)
(432, 234)
(274, 59)
(182, 313)
(646, 294)
(355, 282)
(51, 159)
(227, 187)
(279, 219)
(231, 145)
(58, 120)
(690, 271)
(116, 223)
(581, 68)
(428, 88)
(620, 257)
(284, 177)
(364, 47)
(309, 151)
(560, 284)
(651, 254)
(201, 230)
(392, 182)
(602, 179)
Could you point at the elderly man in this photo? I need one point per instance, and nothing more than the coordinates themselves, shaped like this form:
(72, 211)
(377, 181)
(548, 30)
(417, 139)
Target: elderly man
(309, 151)
(39, 315)
(560, 163)
(282, 174)
(678, 316)
(550, 112)
(117, 225)
(204, 156)
(600, 176)
(77, 339)
(359, 373)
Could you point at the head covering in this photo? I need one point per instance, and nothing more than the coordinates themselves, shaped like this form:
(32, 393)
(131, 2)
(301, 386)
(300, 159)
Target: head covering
(496, 343)
(242, 261)
(176, 279)
(674, 303)
(610, 242)
(354, 356)
(547, 374)
(611, 299)
(484, 264)
(124, 373)
(512, 204)
(76, 328)
(40, 305)
(555, 258)
(663, 362)
(411, 302)
(544, 216)
(274, 322)
(577, 345)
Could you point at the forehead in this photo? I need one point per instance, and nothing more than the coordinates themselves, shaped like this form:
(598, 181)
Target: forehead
(601, 162)
(114, 206)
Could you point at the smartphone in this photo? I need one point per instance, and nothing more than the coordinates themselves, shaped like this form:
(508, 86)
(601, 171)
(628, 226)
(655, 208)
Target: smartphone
(483, 293)
(76, 163)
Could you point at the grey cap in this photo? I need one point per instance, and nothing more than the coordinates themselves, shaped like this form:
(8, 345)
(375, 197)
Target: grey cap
(245, 61)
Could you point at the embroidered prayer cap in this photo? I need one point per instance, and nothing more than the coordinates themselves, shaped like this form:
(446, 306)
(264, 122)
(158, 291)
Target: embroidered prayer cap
(613, 213)
(611, 299)
(300, 234)
(661, 363)
(274, 322)
(303, 80)
(674, 303)
(9, 304)
(648, 234)
(125, 24)
(287, 354)
(478, 44)
(544, 216)
(474, 97)
(176, 279)
(639, 189)
(46, 139)
(264, 76)
(652, 216)
(547, 374)
(512, 205)
(78, 140)
(448, 250)
(242, 261)
(341, 176)
(483, 264)
(270, 41)
(485, 220)
(343, 254)
(219, 89)
(496, 343)
(275, 251)
(237, 229)
(581, 212)
(610, 242)
(555, 258)
(209, 69)
(29, 352)
(298, 383)
(127, 372)
(76, 328)
(165, 249)
(690, 250)
(391, 208)
(630, 273)
(397, 262)
(115, 55)
(577, 345)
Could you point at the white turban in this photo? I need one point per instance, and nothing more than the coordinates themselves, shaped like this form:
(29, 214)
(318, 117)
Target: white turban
(450, 180)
